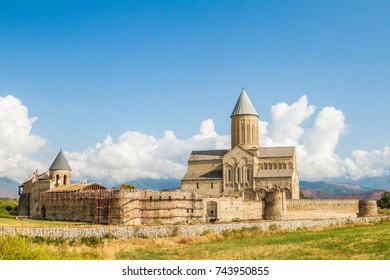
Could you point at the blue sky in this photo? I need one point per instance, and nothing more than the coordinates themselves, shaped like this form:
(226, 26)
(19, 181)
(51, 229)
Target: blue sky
(88, 69)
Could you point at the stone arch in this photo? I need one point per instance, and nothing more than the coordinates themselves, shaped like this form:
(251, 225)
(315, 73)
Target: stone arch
(261, 166)
(249, 194)
(248, 173)
(284, 166)
(229, 173)
(275, 166)
(290, 166)
(269, 165)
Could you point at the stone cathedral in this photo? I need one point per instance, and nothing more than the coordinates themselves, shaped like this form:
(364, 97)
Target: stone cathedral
(245, 183)
(247, 170)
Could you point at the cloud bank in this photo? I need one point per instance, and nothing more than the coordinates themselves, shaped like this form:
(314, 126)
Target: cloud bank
(137, 155)
(16, 141)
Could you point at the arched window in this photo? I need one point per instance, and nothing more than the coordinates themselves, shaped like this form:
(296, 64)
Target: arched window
(65, 179)
(269, 165)
(248, 174)
(57, 179)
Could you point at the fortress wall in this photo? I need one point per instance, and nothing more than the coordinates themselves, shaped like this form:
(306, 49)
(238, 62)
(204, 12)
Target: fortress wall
(321, 209)
(170, 207)
(234, 208)
(132, 207)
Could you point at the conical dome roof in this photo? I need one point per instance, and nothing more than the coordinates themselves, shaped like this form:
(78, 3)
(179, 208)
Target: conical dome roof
(244, 106)
(60, 163)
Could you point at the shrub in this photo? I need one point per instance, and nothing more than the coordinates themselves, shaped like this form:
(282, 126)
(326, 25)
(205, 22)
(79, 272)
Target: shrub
(176, 231)
(274, 227)
(207, 231)
(384, 201)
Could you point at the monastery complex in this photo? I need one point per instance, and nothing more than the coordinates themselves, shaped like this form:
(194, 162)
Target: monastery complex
(246, 182)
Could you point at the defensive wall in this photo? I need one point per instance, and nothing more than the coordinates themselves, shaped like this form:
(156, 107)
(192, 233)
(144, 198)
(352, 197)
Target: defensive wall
(179, 230)
(321, 208)
(135, 207)
(122, 207)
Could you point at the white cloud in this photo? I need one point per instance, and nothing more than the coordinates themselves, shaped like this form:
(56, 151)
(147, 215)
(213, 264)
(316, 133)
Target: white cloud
(136, 155)
(285, 128)
(368, 163)
(16, 141)
(316, 145)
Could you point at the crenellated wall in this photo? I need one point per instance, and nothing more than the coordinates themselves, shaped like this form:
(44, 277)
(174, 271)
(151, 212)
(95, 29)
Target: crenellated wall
(297, 209)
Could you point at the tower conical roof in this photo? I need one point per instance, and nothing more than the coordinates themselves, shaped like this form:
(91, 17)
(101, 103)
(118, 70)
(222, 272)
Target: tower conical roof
(244, 106)
(60, 163)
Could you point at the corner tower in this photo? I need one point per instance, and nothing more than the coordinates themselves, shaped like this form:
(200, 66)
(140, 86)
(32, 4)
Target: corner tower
(245, 123)
(60, 171)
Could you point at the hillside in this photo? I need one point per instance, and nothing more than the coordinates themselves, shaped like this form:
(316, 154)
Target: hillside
(334, 188)
(372, 183)
(8, 188)
(312, 193)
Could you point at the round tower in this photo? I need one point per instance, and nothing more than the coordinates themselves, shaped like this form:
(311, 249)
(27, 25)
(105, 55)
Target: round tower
(60, 171)
(245, 123)
(275, 205)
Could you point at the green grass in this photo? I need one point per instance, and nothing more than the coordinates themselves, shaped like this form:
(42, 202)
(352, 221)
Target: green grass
(12, 221)
(366, 242)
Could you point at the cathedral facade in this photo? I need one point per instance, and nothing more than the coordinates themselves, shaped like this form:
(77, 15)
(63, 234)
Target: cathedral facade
(247, 171)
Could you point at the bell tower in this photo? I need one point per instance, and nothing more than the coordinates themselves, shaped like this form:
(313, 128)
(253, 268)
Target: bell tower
(245, 123)
(60, 171)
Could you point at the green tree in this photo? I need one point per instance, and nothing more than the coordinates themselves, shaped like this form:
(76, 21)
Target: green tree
(303, 196)
(127, 187)
(384, 202)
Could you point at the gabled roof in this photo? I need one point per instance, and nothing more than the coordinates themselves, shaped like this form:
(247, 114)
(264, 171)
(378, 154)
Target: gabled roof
(238, 146)
(60, 163)
(207, 155)
(271, 152)
(202, 174)
(244, 106)
(78, 187)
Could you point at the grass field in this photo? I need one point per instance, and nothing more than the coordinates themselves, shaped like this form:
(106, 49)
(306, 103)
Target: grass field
(11, 221)
(365, 242)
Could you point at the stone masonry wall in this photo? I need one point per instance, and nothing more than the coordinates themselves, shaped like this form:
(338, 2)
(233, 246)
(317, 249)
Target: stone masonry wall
(321, 209)
(132, 207)
(182, 230)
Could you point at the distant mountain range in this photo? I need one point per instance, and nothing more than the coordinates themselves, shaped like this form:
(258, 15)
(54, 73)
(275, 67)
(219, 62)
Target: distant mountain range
(366, 188)
(8, 188)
